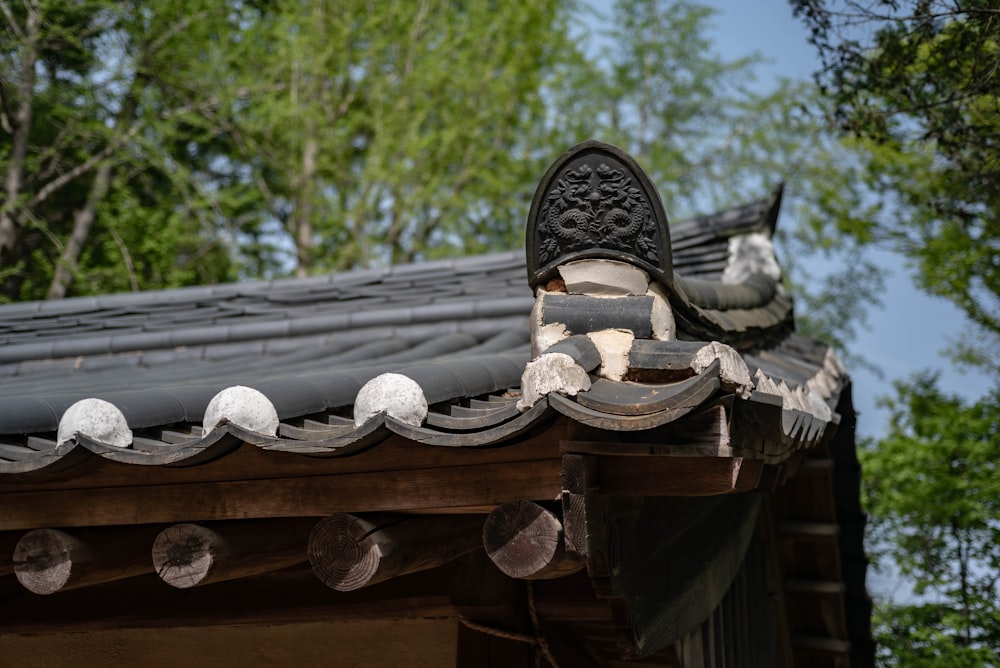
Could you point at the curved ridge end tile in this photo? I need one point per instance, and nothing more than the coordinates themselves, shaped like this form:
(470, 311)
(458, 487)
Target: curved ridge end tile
(97, 419)
(397, 396)
(551, 372)
(244, 407)
(733, 371)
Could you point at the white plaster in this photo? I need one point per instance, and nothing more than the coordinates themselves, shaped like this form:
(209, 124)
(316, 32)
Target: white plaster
(796, 398)
(819, 408)
(822, 383)
(765, 384)
(547, 336)
(827, 380)
(664, 325)
(551, 372)
(544, 336)
(750, 254)
(243, 406)
(733, 371)
(614, 346)
(603, 278)
(800, 398)
(96, 419)
(398, 396)
(833, 365)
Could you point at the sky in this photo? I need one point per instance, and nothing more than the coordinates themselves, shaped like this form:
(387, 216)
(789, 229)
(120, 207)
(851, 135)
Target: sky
(911, 329)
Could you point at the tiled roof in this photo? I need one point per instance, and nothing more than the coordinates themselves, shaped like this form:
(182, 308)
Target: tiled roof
(308, 343)
(457, 327)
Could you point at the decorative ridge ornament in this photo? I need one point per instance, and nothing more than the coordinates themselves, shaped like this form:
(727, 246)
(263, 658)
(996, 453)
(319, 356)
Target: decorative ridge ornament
(596, 202)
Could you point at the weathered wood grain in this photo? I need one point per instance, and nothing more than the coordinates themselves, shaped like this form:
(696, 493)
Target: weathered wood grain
(47, 561)
(348, 552)
(250, 462)
(672, 585)
(189, 555)
(579, 480)
(8, 541)
(678, 476)
(438, 487)
(525, 540)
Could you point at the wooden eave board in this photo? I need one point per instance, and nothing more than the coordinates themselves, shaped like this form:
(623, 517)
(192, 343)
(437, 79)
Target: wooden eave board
(394, 475)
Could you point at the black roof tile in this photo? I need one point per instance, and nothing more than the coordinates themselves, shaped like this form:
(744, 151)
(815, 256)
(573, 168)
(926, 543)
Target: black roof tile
(459, 327)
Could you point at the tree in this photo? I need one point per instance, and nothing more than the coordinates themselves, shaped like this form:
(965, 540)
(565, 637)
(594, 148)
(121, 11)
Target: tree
(922, 96)
(932, 489)
(386, 136)
(102, 189)
(239, 131)
(915, 86)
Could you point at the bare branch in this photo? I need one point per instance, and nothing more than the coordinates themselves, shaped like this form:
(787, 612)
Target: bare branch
(127, 257)
(21, 134)
(11, 23)
(5, 112)
(156, 44)
(52, 186)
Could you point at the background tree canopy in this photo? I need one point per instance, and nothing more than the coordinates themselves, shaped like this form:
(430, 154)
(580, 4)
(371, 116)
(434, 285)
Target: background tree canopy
(916, 85)
(158, 144)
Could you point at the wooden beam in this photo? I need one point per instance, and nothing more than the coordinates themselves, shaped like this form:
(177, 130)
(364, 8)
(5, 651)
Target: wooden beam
(47, 560)
(188, 555)
(678, 476)
(283, 597)
(570, 599)
(348, 552)
(821, 645)
(579, 480)
(487, 598)
(818, 531)
(567, 648)
(526, 541)
(475, 485)
(8, 541)
(251, 462)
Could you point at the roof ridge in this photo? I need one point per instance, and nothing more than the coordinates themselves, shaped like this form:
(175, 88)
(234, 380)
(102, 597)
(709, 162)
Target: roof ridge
(201, 292)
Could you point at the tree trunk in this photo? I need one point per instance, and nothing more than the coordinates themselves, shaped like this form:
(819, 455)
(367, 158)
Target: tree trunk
(19, 141)
(83, 218)
(305, 203)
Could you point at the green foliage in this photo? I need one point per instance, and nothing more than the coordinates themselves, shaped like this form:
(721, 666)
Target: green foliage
(932, 488)
(923, 97)
(232, 132)
(105, 161)
(391, 135)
